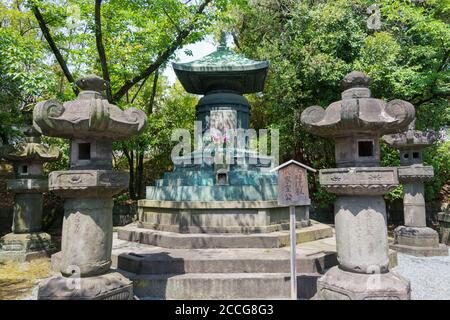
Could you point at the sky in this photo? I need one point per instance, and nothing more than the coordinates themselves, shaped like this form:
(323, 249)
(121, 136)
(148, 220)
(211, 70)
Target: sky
(198, 49)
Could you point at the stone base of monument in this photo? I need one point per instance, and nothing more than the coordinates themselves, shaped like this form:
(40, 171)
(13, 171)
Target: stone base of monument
(175, 240)
(26, 246)
(110, 286)
(418, 241)
(222, 273)
(444, 227)
(338, 284)
(217, 216)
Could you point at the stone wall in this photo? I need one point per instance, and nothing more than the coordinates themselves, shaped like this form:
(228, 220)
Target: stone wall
(124, 214)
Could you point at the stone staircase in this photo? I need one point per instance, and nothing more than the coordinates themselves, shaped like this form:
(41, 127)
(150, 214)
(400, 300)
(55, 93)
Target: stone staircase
(233, 269)
(164, 265)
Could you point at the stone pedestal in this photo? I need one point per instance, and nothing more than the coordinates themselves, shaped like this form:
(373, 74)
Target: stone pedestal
(338, 284)
(27, 241)
(444, 227)
(361, 234)
(109, 286)
(91, 124)
(414, 237)
(87, 237)
(420, 242)
(356, 123)
(361, 237)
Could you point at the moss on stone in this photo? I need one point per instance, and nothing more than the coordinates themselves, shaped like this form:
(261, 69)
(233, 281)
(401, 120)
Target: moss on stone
(17, 280)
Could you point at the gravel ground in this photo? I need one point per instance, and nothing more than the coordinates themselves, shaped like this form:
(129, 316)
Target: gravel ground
(430, 277)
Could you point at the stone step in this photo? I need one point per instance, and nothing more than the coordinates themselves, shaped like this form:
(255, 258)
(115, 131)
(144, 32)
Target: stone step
(225, 241)
(221, 286)
(154, 260)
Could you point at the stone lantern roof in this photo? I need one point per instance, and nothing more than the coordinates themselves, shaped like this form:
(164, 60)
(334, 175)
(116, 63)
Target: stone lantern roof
(89, 116)
(222, 70)
(411, 138)
(30, 150)
(358, 112)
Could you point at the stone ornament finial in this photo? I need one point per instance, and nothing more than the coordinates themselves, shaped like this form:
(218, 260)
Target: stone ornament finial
(356, 79)
(92, 83)
(90, 115)
(411, 138)
(222, 41)
(358, 111)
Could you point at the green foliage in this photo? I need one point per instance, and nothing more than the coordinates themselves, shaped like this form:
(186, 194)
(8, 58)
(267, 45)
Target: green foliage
(438, 157)
(312, 45)
(173, 108)
(134, 33)
(63, 147)
(23, 76)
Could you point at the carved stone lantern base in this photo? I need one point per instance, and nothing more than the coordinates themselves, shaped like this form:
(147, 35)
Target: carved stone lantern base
(415, 238)
(27, 241)
(109, 286)
(338, 284)
(418, 241)
(444, 227)
(361, 237)
(26, 246)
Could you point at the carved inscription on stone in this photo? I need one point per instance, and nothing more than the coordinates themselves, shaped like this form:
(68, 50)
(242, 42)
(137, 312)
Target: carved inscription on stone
(293, 186)
(223, 120)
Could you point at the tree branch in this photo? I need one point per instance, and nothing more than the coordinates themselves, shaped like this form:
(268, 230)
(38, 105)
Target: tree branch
(101, 48)
(138, 90)
(171, 20)
(153, 96)
(163, 56)
(53, 47)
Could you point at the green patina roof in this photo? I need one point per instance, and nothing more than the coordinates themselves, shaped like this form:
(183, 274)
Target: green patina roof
(223, 69)
(223, 59)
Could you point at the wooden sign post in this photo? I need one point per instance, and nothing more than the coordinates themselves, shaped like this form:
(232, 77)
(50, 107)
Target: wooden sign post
(293, 191)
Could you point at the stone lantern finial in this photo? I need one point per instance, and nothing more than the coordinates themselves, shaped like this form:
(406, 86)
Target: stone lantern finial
(356, 79)
(222, 41)
(92, 83)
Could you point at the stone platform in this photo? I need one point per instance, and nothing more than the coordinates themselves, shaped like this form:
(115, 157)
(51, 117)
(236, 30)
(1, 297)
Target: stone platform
(244, 273)
(197, 215)
(441, 250)
(174, 240)
(444, 227)
(26, 247)
(418, 241)
(231, 273)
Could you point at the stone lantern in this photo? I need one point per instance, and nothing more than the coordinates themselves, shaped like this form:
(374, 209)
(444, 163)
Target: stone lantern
(414, 237)
(27, 241)
(91, 124)
(356, 123)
